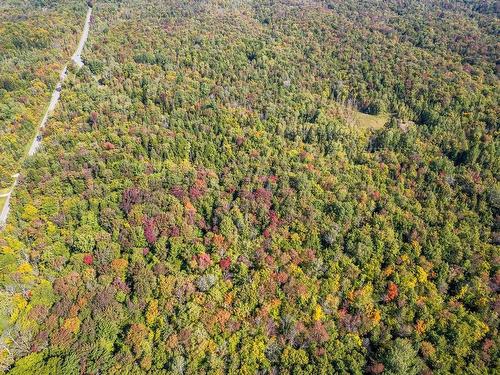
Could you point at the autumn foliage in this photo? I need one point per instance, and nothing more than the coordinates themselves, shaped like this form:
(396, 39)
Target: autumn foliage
(251, 187)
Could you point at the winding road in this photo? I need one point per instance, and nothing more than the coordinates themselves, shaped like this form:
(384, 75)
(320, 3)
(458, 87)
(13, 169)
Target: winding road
(77, 60)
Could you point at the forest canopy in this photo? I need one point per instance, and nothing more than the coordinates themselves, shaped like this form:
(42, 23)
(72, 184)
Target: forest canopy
(244, 186)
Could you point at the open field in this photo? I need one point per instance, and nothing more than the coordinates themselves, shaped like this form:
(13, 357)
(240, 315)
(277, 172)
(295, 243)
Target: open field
(370, 121)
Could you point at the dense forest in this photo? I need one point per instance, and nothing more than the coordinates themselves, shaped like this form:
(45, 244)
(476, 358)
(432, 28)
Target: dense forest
(35, 42)
(252, 186)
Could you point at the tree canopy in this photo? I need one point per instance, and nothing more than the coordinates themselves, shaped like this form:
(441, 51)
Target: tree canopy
(212, 196)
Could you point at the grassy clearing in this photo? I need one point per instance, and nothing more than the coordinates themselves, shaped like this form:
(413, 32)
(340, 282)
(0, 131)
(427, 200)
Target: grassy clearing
(370, 121)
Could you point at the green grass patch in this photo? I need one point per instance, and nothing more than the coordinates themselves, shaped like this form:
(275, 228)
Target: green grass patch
(2, 202)
(370, 121)
(4, 190)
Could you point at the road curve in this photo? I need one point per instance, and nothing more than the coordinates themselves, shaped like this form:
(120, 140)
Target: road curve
(76, 58)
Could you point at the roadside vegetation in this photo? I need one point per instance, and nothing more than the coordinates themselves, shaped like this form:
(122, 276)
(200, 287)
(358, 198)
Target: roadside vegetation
(36, 40)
